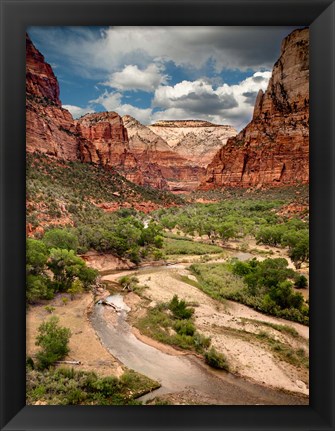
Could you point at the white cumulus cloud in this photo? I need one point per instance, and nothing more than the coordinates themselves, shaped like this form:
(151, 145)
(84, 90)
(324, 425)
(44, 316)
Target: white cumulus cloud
(113, 102)
(225, 104)
(133, 78)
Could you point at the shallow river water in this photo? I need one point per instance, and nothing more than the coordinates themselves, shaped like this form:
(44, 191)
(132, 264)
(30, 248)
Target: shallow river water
(177, 372)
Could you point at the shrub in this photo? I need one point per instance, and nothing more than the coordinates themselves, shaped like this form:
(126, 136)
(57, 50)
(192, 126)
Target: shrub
(36, 256)
(201, 342)
(300, 282)
(37, 287)
(53, 340)
(184, 327)
(128, 282)
(179, 308)
(216, 360)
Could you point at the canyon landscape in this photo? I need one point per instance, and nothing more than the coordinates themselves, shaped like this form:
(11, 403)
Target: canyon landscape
(167, 245)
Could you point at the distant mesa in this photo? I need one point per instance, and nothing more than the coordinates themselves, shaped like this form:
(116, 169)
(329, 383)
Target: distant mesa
(186, 123)
(195, 140)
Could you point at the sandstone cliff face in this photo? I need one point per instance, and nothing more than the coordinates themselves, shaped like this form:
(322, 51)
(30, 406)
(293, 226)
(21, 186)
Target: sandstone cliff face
(273, 149)
(155, 156)
(195, 140)
(49, 128)
(106, 140)
(106, 143)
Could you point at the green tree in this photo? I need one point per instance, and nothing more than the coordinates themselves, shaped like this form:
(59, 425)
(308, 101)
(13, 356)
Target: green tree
(37, 287)
(270, 235)
(67, 267)
(53, 340)
(37, 281)
(60, 238)
(36, 256)
(227, 230)
(300, 282)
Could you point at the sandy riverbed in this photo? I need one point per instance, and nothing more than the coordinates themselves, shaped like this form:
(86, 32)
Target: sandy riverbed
(248, 358)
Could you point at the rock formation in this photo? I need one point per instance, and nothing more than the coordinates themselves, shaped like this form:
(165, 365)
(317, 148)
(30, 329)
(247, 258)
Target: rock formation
(154, 155)
(273, 149)
(49, 128)
(197, 141)
(106, 143)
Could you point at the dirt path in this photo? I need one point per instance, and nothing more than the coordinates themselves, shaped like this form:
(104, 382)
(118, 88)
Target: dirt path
(232, 327)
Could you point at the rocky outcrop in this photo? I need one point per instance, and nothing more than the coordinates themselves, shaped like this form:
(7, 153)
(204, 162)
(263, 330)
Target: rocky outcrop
(97, 138)
(49, 128)
(195, 140)
(154, 155)
(106, 143)
(273, 149)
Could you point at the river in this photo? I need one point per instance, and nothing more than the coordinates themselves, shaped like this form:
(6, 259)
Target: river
(177, 373)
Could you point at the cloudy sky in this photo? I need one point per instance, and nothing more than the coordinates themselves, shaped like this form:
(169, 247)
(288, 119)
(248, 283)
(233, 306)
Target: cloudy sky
(152, 73)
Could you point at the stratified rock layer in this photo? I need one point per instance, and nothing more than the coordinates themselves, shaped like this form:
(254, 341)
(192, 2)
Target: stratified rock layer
(273, 149)
(195, 140)
(154, 155)
(49, 128)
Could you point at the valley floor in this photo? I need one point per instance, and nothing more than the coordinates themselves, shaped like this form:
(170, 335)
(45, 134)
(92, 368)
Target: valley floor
(248, 339)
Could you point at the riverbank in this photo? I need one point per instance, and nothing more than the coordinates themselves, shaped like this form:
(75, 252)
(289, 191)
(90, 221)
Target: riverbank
(235, 330)
(184, 378)
(85, 346)
(244, 335)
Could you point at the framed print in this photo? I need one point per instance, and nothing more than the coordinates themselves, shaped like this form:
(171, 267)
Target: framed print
(167, 218)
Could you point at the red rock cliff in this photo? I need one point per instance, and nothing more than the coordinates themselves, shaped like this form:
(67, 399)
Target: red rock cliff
(106, 143)
(273, 149)
(49, 128)
(155, 155)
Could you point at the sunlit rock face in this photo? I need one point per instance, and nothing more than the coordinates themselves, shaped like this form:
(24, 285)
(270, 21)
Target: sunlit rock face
(49, 128)
(273, 149)
(197, 141)
(155, 155)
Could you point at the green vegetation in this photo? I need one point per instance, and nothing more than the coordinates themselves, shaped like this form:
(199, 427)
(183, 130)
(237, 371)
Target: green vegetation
(294, 234)
(53, 340)
(285, 329)
(220, 221)
(179, 308)
(120, 233)
(265, 286)
(128, 282)
(236, 219)
(179, 246)
(69, 272)
(216, 360)
(65, 386)
(57, 188)
(172, 323)
(60, 238)
(297, 357)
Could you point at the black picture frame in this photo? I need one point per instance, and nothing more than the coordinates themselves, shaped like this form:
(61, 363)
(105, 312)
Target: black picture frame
(16, 15)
